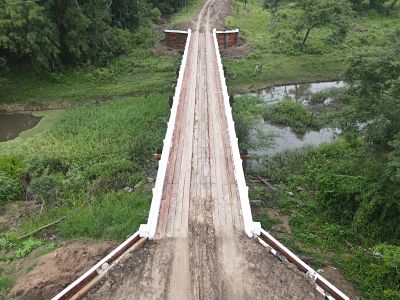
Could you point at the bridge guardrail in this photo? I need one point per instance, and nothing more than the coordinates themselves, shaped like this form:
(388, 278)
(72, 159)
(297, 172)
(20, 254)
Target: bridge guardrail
(149, 229)
(254, 228)
(250, 227)
(278, 249)
(79, 284)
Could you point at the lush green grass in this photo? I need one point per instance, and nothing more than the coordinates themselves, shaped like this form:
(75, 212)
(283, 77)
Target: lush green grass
(272, 48)
(187, 13)
(136, 74)
(89, 155)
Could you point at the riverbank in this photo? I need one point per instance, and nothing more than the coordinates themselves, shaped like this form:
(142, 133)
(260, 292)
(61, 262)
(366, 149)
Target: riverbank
(318, 199)
(273, 61)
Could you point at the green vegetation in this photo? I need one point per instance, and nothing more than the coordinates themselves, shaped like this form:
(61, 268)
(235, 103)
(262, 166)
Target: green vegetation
(10, 171)
(132, 75)
(335, 189)
(276, 57)
(186, 14)
(51, 34)
(5, 284)
(12, 248)
(82, 164)
(248, 110)
(293, 114)
(341, 198)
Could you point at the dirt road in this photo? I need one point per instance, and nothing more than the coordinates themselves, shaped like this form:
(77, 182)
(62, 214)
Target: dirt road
(200, 250)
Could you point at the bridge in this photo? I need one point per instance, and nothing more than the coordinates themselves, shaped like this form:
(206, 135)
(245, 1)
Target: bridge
(200, 241)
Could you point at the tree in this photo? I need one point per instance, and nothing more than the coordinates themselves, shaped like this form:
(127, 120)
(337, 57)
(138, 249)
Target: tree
(272, 6)
(27, 32)
(376, 94)
(317, 13)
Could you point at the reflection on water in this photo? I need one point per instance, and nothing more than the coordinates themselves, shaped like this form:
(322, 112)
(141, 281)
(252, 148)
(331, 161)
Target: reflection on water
(282, 137)
(299, 92)
(11, 125)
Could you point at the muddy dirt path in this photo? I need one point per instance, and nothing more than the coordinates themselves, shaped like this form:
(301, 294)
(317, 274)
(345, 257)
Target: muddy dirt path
(200, 250)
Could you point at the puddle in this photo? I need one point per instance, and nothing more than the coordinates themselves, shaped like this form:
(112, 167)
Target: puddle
(11, 125)
(283, 139)
(299, 92)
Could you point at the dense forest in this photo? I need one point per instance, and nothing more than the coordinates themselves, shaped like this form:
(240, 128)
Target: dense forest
(51, 34)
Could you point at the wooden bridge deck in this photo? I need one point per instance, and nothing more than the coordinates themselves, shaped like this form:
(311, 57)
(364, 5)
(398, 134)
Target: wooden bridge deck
(200, 184)
(200, 250)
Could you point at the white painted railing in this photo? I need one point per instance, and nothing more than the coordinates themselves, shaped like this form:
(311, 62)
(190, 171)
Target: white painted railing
(149, 229)
(323, 286)
(250, 227)
(64, 293)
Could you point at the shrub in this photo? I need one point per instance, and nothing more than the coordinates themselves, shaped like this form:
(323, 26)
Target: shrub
(49, 188)
(293, 114)
(10, 188)
(27, 246)
(102, 75)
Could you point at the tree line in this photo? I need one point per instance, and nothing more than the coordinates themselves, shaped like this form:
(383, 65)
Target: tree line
(335, 14)
(51, 33)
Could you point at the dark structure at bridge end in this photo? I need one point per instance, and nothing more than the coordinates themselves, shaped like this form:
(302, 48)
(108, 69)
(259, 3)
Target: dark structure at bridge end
(227, 38)
(176, 38)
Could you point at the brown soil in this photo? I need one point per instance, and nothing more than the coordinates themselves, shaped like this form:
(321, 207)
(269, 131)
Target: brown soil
(14, 212)
(336, 277)
(219, 11)
(283, 225)
(53, 271)
(223, 266)
(51, 104)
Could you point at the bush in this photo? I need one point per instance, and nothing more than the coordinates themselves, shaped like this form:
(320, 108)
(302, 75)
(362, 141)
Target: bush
(27, 246)
(339, 195)
(49, 188)
(377, 276)
(56, 77)
(10, 188)
(12, 165)
(293, 114)
(102, 75)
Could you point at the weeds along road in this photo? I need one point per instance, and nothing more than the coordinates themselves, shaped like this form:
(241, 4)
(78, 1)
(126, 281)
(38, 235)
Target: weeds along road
(200, 250)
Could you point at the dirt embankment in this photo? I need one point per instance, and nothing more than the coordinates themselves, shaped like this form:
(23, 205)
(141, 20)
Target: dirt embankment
(53, 271)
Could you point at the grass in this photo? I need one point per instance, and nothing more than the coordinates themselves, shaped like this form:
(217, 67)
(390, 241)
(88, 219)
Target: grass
(5, 284)
(274, 60)
(187, 13)
(324, 229)
(136, 74)
(293, 114)
(87, 157)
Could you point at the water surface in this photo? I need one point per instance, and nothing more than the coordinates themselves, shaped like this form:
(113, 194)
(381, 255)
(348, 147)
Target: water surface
(282, 138)
(11, 125)
(298, 92)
